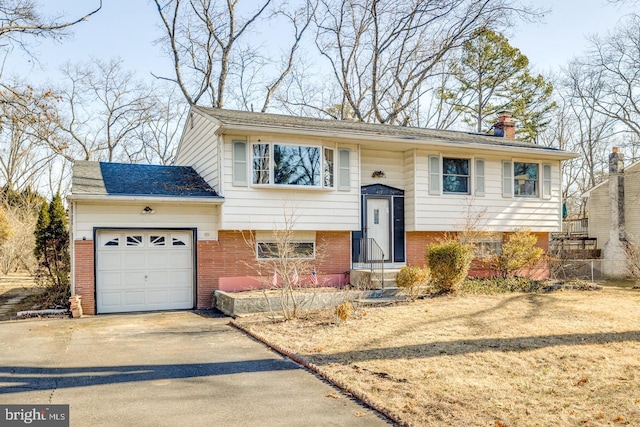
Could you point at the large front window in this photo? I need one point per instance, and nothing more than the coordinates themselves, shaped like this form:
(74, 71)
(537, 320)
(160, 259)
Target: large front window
(525, 176)
(455, 176)
(300, 165)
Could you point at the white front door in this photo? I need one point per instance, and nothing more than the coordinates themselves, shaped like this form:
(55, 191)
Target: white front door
(139, 270)
(378, 224)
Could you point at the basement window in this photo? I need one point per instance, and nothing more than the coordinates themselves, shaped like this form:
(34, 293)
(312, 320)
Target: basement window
(298, 250)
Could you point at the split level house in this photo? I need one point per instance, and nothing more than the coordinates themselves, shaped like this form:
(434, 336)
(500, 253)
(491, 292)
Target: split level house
(166, 237)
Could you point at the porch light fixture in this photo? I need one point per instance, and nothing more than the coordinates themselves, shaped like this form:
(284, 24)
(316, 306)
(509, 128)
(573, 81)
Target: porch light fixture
(148, 210)
(378, 174)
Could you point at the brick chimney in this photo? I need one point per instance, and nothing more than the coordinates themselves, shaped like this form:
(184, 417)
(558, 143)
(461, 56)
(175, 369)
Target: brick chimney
(504, 127)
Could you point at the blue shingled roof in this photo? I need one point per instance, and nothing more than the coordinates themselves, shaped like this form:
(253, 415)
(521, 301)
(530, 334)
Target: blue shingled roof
(154, 180)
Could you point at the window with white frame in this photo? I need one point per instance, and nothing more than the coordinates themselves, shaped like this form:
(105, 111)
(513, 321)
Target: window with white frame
(328, 167)
(525, 179)
(293, 165)
(261, 163)
(300, 244)
(275, 250)
(455, 175)
(487, 246)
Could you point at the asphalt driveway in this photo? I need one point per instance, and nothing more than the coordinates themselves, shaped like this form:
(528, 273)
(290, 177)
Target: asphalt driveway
(163, 369)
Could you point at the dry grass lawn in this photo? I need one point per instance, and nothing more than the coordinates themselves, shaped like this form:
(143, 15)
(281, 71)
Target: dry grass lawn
(568, 358)
(15, 285)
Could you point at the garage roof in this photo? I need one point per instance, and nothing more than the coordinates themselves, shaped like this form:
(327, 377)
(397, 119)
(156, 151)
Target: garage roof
(120, 179)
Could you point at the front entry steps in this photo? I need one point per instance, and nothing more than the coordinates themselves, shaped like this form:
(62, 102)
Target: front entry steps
(366, 279)
(380, 294)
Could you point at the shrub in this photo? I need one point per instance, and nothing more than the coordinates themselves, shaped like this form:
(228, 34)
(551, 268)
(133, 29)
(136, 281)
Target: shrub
(412, 280)
(52, 252)
(449, 263)
(498, 285)
(344, 311)
(518, 251)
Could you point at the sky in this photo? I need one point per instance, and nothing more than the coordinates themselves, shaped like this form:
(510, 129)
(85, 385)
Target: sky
(128, 29)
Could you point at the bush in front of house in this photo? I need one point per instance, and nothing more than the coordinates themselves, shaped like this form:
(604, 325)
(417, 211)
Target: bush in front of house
(499, 285)
(449, 263)
(518, 251)
(413, 280)
(344, 311)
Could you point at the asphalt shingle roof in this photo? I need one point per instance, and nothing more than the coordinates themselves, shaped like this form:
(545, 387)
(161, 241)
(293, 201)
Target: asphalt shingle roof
(410, 134)
(138, 180)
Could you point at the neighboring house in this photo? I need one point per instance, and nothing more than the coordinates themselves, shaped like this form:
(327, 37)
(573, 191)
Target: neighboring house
(613, 208)
(242, 173)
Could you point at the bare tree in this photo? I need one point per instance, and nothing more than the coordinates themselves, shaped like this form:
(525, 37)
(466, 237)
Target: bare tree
(27, 118)
(616, 60)
(206, 41)
(105, 108)
(382, 54)
(161, 133)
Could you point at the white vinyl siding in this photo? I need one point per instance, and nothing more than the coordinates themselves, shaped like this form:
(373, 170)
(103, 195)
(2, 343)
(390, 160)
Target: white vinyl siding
(265, 207)
(479, 177)
(507, 179)
(199, 149)
(391, 163)
(240, 163)
(434, 175)
(120, 214)
(439, 213)
(599, 205)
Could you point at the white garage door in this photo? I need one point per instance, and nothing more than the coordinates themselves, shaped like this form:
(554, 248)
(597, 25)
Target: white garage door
(144, 270)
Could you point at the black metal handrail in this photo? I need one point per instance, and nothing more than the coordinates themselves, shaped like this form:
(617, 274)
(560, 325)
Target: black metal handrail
(369, 254)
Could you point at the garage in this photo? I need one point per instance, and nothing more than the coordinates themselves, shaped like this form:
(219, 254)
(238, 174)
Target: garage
(143, 270)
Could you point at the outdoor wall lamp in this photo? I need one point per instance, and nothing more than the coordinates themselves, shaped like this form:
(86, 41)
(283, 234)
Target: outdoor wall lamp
(378, 174)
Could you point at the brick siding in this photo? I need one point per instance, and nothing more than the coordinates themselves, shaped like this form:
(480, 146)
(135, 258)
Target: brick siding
(417, 242)
(84, 274)
(232, 256)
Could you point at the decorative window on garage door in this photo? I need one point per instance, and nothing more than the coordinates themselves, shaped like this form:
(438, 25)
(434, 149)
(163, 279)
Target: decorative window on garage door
(134, 240)
(110, 240)
(180, 239)
(156, 241)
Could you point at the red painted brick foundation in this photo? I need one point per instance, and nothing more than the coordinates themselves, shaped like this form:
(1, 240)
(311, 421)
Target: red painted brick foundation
(232, 260)
(84, 274)
(417, 243)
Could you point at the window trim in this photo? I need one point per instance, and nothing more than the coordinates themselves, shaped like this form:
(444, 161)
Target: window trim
(271, 178)
(323, 160)
(493, 240)
(468, 176)
(538, 193)
(276, 258)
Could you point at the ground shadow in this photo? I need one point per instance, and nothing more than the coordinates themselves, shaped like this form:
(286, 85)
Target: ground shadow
(29, 378)
(469, 346)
